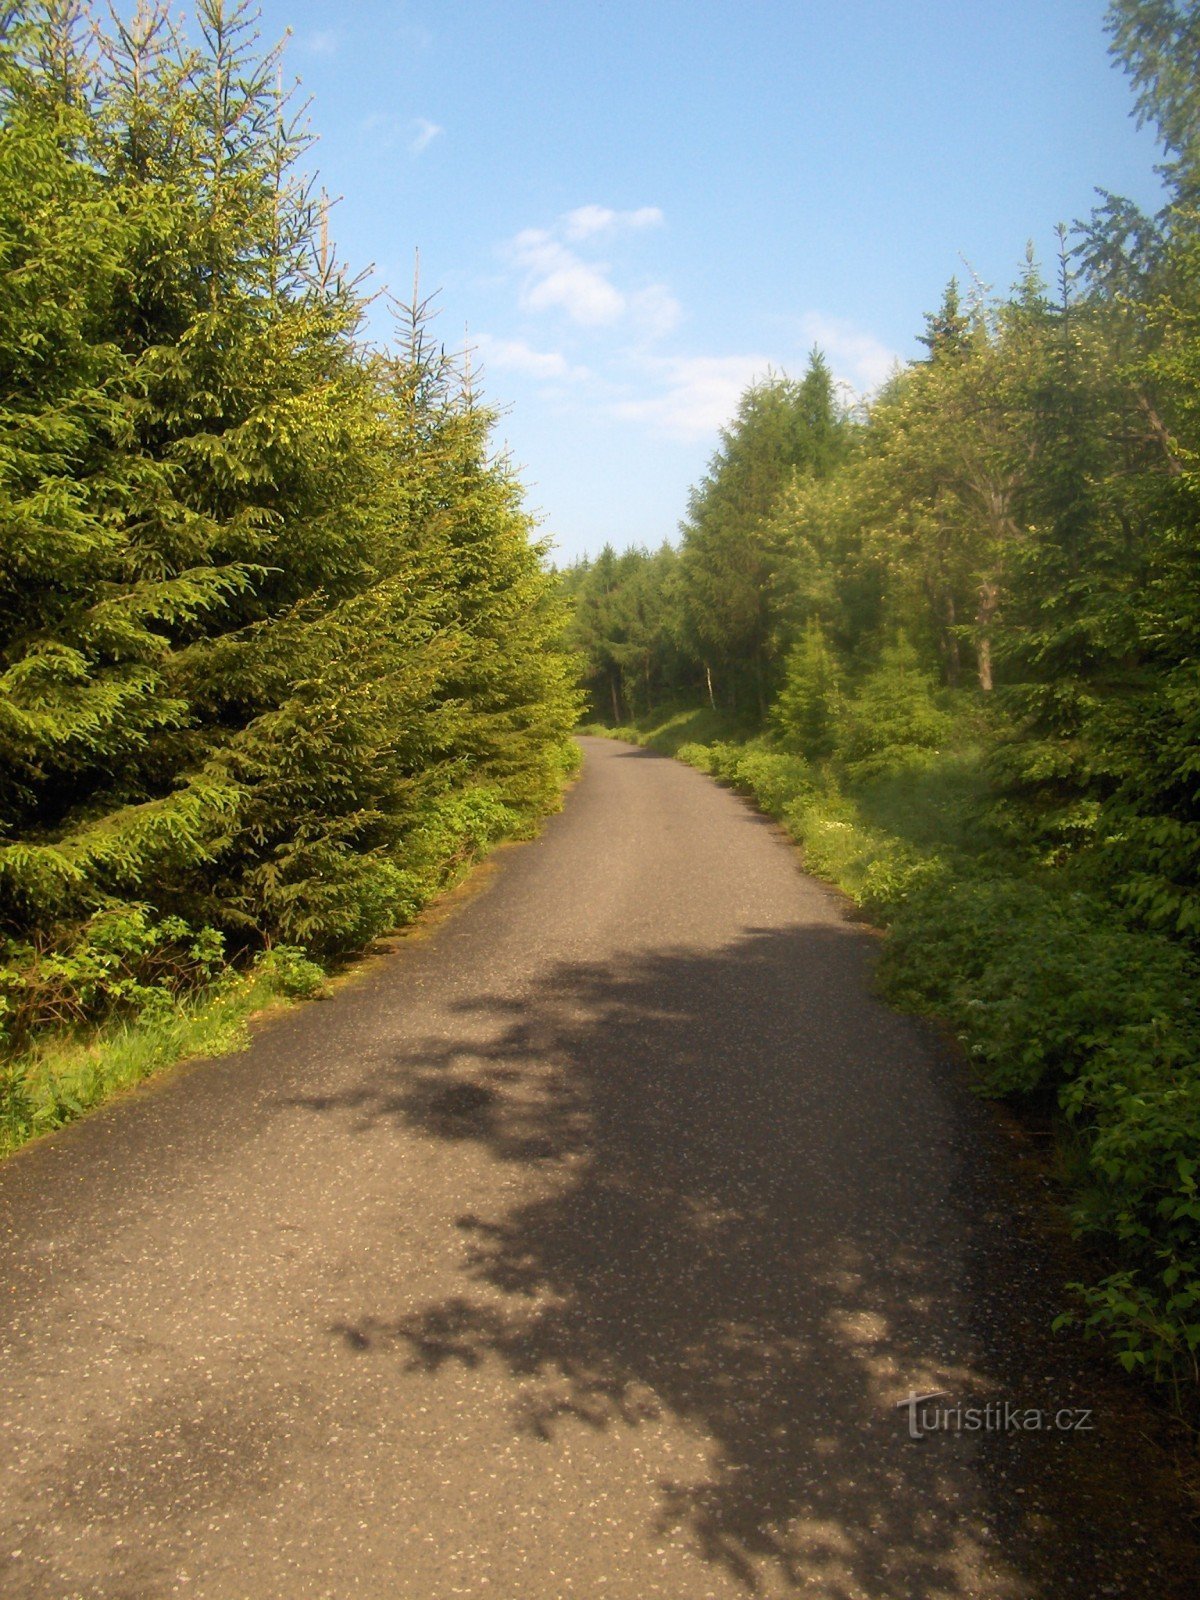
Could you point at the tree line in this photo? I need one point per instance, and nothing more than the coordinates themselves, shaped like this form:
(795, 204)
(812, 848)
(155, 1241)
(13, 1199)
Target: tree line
(960, 628)
(278, 646)
(1014, 516)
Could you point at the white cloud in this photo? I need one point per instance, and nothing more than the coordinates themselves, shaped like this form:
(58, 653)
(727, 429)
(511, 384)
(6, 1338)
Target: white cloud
(388, 129)
(582, 291)
(697, 394)
(657, 311)
(514, 355)
(385, 125)
(425, 132)
(690, 397)
(858, 358)
(324, 42)
(556, 276)
(585, 221)
(536, 247)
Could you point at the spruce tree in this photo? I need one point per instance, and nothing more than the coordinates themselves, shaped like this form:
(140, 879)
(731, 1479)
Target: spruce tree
(277, 645)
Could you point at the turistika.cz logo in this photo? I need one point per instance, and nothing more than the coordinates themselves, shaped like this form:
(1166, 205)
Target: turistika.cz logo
(927, 1415)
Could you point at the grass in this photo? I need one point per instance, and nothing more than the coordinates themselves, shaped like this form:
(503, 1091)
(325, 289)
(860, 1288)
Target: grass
(63, 1077)
(671, 728)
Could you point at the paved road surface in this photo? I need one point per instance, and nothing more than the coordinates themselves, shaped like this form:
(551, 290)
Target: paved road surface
(581, 1248)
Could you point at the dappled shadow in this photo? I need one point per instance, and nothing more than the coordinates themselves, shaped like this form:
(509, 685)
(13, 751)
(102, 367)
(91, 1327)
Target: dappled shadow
(741, 1218)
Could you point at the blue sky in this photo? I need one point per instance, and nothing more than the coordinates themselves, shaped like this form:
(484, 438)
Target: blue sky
(634, 207)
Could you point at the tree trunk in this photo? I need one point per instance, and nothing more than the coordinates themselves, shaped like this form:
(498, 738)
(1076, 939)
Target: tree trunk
(953, 659)
(708, 680)
(616, 704)
(989, 597)
(1159, 429)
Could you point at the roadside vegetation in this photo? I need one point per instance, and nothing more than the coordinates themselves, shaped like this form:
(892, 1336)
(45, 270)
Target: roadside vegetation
(952, 641)
(279, 651)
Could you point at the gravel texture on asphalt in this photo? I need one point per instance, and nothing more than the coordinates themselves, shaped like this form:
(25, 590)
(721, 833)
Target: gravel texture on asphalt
(585, 1245)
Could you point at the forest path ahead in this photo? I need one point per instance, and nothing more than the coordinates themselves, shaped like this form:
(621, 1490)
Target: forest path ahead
(582, 1247)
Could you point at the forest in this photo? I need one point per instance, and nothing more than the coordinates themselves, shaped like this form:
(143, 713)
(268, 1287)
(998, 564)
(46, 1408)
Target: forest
(951, 640)
(279, 650)
(281, 653)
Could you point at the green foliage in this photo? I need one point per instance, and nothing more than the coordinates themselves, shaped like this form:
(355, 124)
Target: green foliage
(1037, 980)
(60, 1077)
(278, 649)
(1157, 41)
(123, 958)
(809, 705)
(894, 720)
(626, 626)
(1153, 1325)
(290, 972)
(783, 431)
(1020, 512)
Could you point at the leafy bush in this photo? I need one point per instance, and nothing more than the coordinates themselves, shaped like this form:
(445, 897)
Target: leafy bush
(810, 703)
(290, 971)
(695, 755)
(125, 958)
(1041, 984)
(1136, 1107)
(60, 1076)
(775, 778)
(893, 721)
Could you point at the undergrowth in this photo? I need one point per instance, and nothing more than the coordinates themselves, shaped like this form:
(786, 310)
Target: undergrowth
(107, 1003)
(60, 1077)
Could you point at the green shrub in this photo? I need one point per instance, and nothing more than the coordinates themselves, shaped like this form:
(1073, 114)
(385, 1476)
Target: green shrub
(810, 703)
(894, 721)
(1039, 983)
(290, 971)
(775, 778)
(1136, 1107)
(123, 958)
(695, 755)
(60, 1076)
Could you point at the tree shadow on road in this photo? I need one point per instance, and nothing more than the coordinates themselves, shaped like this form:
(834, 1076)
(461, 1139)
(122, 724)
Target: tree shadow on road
(742, 1218)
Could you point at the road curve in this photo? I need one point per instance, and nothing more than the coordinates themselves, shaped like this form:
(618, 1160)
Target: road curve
(582, 1247)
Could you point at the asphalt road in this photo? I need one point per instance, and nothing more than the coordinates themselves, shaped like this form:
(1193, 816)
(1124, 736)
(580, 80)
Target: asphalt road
(583, 1246)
